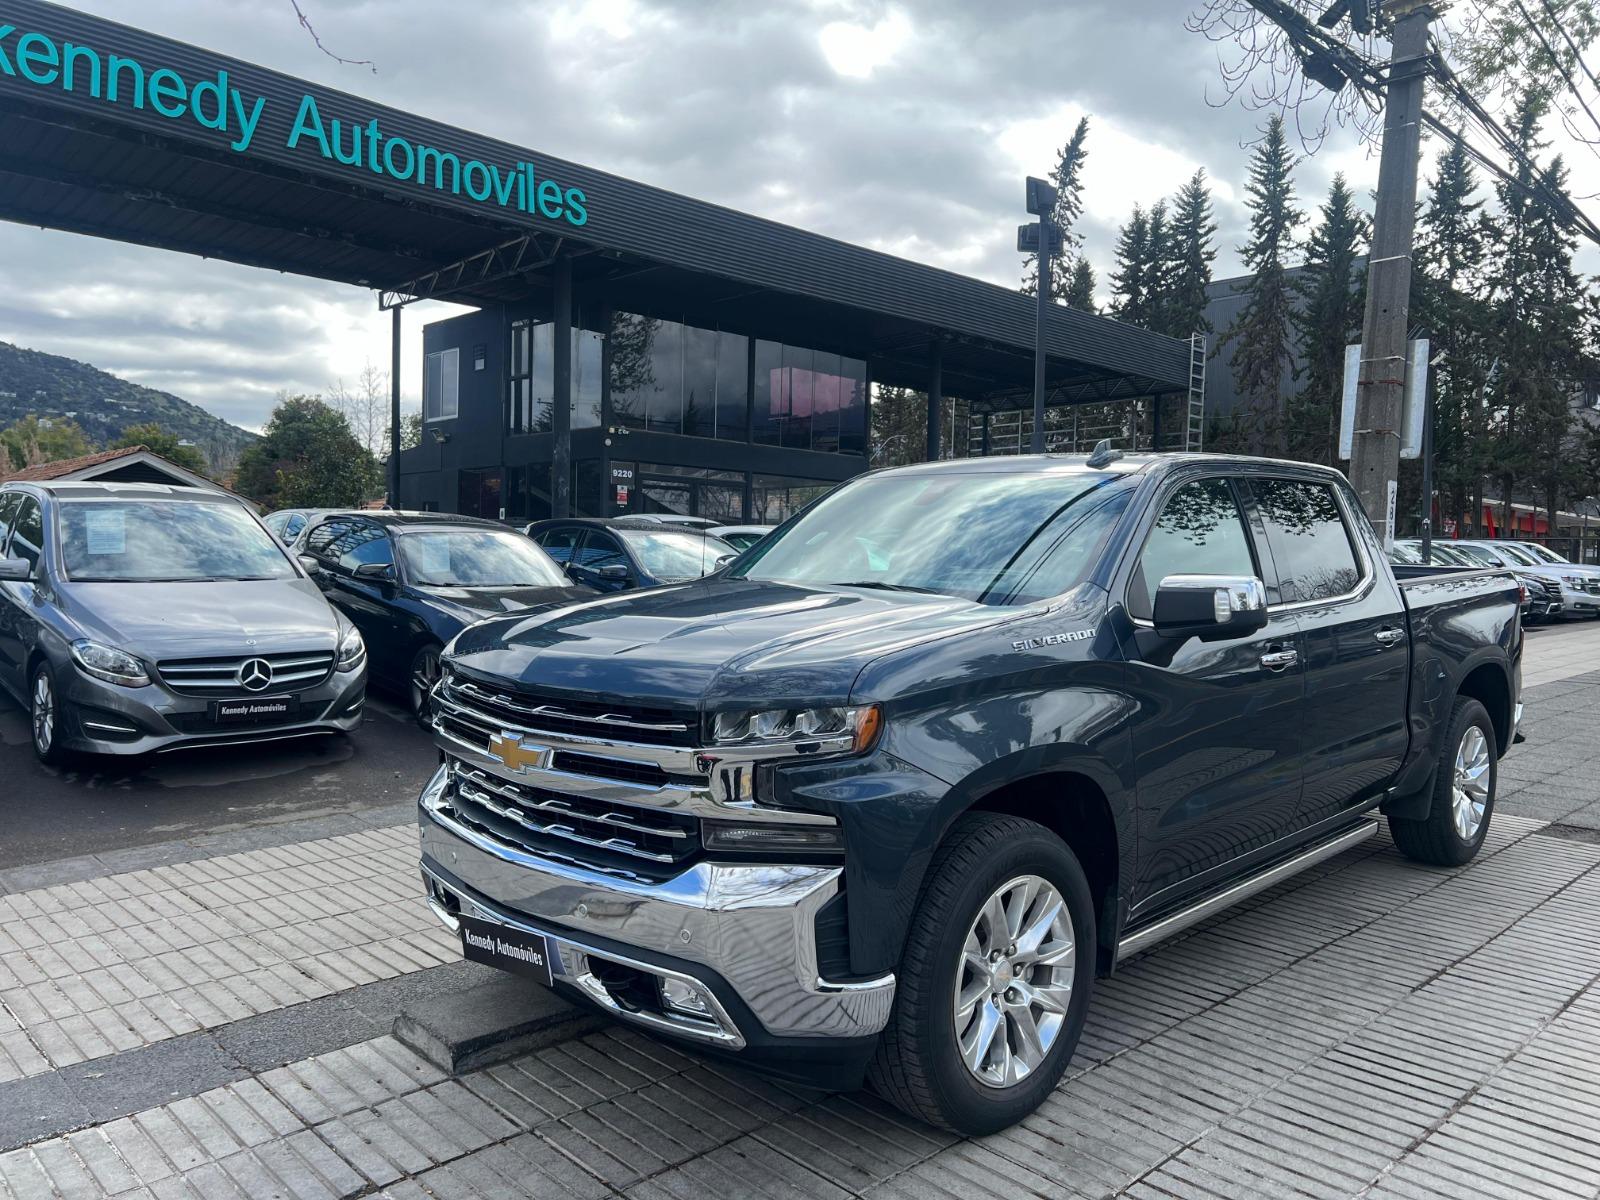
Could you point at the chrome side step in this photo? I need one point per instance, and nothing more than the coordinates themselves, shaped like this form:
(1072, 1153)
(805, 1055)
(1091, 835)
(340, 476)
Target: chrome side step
(1143, 939)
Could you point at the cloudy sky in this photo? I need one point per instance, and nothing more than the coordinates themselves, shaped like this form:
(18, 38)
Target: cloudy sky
(902, 126)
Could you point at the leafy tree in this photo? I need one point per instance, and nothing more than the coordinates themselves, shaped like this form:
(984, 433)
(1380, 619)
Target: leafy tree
(1068, 180)
(152, 437)
(1262, 333)
(1128, 277)
(411, 431)
(308, 458)
(1188, 274)
(1328, 319)
(35, 440)
(1080, 286)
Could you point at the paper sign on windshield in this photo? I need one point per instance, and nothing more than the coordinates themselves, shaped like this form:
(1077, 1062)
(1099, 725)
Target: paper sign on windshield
(106, 530)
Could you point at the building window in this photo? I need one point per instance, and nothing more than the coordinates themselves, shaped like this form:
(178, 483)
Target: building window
(672, 378)
(441, 385)
(809, 399)
(533, 378)
(776, 498)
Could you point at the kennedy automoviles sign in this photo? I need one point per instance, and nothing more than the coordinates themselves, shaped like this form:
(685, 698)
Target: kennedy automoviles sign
(215, 104)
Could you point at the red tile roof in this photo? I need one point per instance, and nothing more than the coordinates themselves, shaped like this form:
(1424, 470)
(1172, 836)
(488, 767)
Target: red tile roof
(66, 466)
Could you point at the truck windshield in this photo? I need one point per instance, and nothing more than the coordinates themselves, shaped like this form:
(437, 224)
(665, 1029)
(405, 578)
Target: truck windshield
(1546, 554)
(165, 541)
(984, 536)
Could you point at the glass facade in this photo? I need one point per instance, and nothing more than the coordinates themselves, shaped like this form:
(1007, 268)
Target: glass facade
(809, 400)
(672, 378)
(533, 374)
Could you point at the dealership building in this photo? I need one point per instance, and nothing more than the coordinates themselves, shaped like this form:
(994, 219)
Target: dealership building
(630, 349)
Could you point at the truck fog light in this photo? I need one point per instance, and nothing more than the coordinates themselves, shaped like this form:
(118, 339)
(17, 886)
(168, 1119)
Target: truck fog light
(726, 835)
(678, 996)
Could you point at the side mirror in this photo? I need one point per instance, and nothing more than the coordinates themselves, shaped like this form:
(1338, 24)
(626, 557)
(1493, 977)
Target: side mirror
(378, 571)
(311, 566)
(15, 570)
(1210, 607)
(722, 561)
(615, 572)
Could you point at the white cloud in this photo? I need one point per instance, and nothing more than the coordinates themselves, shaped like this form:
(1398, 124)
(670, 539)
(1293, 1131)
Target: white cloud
(859, 50)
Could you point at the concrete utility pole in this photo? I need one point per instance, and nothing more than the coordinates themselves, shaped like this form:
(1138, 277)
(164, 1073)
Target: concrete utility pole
(1375, 448)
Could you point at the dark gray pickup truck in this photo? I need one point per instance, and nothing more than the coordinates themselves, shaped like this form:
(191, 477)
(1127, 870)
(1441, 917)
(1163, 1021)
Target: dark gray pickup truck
(883, 797)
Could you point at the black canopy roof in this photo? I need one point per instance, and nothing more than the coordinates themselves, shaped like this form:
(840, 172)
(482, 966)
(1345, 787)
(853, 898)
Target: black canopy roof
(146, 166)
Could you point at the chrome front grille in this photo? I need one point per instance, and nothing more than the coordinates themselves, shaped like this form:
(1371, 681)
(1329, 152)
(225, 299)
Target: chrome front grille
(633, 840)
(1592, 585)
(220, 677)
(580, 718)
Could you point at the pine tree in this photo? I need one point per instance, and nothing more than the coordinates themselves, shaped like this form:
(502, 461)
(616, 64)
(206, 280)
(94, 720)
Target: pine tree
(1128, 276)
(1080, 286)
(1156, 269)
(1449, 302)
(1068, 180)
(1328, 320)
(1262, 333)
(1189, 271)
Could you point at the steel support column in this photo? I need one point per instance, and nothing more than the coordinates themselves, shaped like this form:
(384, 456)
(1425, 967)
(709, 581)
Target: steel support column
(935, 396)
(394, 408)
(561, 393)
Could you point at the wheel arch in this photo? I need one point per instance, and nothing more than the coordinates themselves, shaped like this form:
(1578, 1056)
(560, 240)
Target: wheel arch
(1488, 685)
(1072, 804)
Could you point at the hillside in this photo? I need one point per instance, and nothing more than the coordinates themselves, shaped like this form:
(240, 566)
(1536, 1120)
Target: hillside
(104, 405)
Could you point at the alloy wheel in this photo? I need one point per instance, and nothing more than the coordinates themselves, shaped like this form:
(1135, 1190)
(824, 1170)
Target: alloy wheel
(44, 713)
(1469, 793)
(424, 674)
(1014, 981)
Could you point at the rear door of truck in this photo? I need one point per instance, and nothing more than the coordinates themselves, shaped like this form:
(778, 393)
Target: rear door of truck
(1332, 574)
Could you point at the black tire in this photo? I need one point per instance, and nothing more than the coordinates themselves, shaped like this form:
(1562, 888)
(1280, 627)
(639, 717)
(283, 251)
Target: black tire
(46, 710)
(918, 1066)
(424, 667)
(1438, 838)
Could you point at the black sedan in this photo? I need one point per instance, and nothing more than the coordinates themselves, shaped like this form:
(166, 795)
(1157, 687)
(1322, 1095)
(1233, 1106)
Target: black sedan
(629, 552)
(411, 581)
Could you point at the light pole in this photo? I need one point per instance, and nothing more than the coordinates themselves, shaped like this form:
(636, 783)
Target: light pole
(1042, 239)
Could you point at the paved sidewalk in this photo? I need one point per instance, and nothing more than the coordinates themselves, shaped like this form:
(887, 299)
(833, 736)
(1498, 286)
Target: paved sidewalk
(1370, 1028)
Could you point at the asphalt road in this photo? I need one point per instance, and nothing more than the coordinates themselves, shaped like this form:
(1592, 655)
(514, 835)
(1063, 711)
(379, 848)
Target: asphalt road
(49, 814)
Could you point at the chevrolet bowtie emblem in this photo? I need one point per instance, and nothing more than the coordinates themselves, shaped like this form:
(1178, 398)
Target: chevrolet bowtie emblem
(510, 750)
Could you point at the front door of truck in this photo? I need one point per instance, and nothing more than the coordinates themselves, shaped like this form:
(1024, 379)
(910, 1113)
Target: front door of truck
(1217, 735)
(1354, 634)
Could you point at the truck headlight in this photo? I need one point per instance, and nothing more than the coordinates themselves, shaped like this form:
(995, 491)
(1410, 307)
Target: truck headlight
(772, 838)
(109, 663)
(859, 723)
(352, 650)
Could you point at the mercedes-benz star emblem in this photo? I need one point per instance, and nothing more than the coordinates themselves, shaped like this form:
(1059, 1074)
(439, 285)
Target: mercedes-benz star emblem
(255, 675)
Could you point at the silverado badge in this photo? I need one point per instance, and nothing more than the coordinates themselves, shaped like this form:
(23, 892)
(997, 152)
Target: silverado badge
(510, 750)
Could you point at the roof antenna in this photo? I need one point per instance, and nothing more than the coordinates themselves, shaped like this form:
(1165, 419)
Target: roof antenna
(1103, 455)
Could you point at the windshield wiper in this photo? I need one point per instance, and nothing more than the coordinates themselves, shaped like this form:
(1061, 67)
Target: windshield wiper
(890, 587)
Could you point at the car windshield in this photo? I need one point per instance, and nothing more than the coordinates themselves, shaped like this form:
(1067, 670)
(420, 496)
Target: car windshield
(1443, 555)
(1481, 556)
(1518, 555)
(160, 541)
(985, 536)
(1545, 554)
(476, 558)
(675, 553)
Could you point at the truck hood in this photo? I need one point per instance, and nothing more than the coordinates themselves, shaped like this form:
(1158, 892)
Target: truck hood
(198, 620)
(715, 640)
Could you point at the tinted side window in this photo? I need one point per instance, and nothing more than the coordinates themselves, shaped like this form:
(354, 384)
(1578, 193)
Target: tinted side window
(1310, 545)
(293, 526)
(559, 544)
(1200, 532)
(27, 535)
(361, 545)
(601, 550)
(8, 509)
(324, 535)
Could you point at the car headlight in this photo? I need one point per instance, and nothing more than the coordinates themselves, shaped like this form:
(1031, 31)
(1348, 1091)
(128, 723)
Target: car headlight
(1573, 581)
(859, 723)
(352, 650)
(109, 663)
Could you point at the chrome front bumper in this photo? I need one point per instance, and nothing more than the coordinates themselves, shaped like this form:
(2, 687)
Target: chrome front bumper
(751, 925)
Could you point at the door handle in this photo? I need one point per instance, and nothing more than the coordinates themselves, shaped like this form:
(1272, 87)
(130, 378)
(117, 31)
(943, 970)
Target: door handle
(1390, 637)
(1277, 660)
